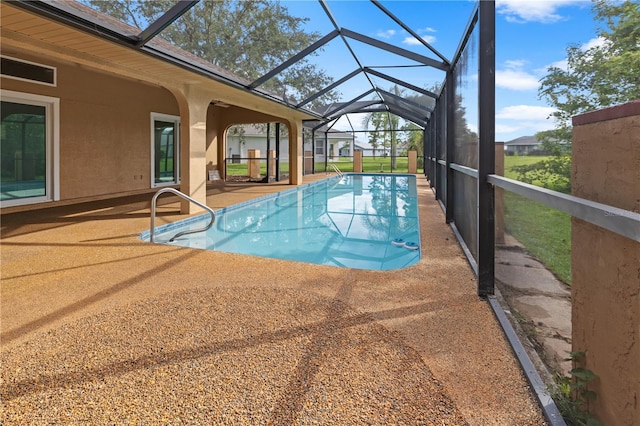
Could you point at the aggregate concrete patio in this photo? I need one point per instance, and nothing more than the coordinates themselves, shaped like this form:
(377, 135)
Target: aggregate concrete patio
(100, 327)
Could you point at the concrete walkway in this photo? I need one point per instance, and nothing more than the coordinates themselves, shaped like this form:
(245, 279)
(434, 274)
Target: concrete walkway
(539, 304)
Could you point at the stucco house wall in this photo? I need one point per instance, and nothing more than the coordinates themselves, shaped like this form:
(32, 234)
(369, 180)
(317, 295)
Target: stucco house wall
(104, 127)
(104, 98)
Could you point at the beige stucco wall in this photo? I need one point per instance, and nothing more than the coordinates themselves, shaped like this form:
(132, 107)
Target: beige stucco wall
(105, 135)
(105, 130)
(606, 266)
(107, 92)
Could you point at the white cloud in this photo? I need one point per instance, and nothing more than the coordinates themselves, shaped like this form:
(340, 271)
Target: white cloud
(386, 33)
(594, 42)
(545, 11)
(351, 122)
(515, 78)
(525, 112)
(506, 128)
(412, 41)
(519, 120)
(564, 64)
(515, 63)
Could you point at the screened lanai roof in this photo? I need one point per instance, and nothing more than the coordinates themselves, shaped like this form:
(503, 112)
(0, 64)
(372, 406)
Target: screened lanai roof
(377, 56)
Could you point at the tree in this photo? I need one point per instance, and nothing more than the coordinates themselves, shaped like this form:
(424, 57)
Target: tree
(414, 137)
(376, 121)
(603, 75)
(382, 121)
(247, 38)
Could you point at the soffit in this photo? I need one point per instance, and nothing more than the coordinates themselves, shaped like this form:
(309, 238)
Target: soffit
(22, 30)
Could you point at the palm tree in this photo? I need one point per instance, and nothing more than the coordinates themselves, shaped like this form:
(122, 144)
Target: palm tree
(381, 121)
(374, 119)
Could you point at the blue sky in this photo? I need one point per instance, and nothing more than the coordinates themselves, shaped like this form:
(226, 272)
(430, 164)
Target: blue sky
(531, 35)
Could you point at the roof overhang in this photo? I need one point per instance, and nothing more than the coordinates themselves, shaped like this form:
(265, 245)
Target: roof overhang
(38, 28)
(75, 32)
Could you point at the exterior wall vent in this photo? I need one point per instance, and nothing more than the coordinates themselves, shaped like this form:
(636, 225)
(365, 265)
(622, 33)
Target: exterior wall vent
(27, 71)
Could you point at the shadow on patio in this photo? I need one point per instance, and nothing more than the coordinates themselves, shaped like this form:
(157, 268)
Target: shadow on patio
(99, 326)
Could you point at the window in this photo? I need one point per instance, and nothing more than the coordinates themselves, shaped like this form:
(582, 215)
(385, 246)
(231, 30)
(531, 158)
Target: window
(320, 147)
(165, 136)
(28, 149)
(27, 71)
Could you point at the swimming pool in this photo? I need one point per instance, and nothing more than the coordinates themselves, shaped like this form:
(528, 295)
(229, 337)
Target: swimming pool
(361, 221)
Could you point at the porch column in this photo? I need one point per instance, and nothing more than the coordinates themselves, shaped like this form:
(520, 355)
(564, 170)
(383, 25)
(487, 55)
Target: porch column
(193, 147)
(295, 152)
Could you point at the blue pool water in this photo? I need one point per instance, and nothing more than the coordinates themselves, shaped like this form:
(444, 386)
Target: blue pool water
(358, 221)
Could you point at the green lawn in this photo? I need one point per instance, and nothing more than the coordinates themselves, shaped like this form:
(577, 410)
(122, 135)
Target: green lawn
(239, 169)
(374, 165)
(369, 165)
(513, 160)
(545, 232)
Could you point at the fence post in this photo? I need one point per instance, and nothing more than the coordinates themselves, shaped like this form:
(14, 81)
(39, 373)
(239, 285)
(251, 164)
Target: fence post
(413, 162)
(486, 148)
(253, 165)
(357, 161)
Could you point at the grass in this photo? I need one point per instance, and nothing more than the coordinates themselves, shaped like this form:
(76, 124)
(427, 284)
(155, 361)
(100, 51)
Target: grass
(369, 165)
(375, 165)
(519, 160)
(545, 232)
(239, 169)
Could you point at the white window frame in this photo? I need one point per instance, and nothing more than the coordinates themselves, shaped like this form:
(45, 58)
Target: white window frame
(55, 72)
(52, 108)
(176, 150)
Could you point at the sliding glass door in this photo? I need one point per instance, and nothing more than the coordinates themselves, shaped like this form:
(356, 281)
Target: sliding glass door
(165, 149)
(27, 154)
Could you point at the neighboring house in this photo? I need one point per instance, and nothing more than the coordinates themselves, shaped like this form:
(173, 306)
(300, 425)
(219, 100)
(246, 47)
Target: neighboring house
(368, 151)
(254, 136)
(524, 145)
(336, 144)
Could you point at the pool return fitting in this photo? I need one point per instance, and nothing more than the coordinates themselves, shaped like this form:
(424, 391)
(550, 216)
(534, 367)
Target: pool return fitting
(409, 245)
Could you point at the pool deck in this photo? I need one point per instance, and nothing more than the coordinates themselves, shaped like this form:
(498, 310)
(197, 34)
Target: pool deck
(101, 327)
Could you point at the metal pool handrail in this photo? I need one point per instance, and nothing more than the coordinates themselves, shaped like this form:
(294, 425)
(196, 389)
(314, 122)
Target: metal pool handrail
(337, 170)
(183, 196)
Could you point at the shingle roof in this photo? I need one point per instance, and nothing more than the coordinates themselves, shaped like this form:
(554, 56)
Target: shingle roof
(524, 140)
